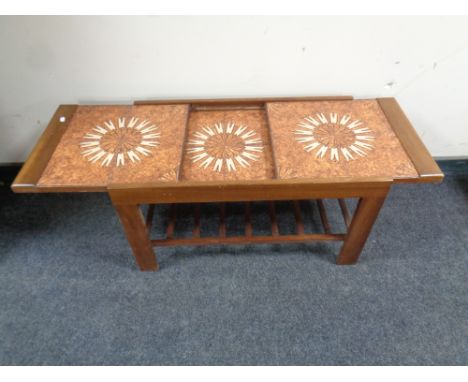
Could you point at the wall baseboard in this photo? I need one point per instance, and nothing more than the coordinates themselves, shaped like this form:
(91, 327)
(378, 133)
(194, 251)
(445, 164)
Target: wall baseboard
(453, 167)
(450, 167)
(8, 172)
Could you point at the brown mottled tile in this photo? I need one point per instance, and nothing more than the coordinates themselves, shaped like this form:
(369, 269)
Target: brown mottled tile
(162, 163)
(68, 166)
(384, 157)
(230, 153)
(111, 144)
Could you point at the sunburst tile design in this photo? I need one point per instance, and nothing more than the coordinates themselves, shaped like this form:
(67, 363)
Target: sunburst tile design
(120, 141)
(223, 147)
(342, 137)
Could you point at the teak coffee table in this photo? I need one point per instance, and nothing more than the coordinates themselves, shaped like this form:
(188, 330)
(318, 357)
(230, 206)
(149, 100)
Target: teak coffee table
(232, 150)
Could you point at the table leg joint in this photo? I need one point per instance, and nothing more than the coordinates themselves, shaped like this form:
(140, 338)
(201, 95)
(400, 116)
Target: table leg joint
(137, 234)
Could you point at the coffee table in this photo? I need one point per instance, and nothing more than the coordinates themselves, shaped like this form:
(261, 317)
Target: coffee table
(232, 150)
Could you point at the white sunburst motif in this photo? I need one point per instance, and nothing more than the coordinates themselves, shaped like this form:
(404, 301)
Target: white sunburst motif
(122, 141)
(339, 136)
(224, 147)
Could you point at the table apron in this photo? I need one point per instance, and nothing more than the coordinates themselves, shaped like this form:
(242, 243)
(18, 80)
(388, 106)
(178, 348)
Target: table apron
(237, 193)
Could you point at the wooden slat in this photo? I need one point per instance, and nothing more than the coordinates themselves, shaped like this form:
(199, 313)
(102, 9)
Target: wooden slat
(183, 148)
(425, 165)
(227, 107)
(248, 220)
(30, 173)
(222, 219)
(196, 220)
(323, 216)
(247, 240)
(240, 101)
(171, 223)
(345, 212)
(149, 217)
(273, 219)
(272, 146)
(298, 217)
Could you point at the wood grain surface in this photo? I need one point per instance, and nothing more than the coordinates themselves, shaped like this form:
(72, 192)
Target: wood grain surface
(33, 168)
(427, 168)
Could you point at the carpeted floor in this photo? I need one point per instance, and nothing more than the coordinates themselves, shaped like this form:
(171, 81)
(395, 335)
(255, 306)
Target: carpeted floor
(70, 292)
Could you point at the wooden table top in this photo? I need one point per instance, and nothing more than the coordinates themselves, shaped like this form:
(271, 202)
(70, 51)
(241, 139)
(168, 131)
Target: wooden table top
(89, 148)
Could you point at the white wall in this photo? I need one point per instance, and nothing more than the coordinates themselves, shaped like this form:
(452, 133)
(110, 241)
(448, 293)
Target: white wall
(45, 61)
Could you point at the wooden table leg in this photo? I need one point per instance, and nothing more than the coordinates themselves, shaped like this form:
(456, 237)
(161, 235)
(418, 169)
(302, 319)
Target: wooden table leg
(138, 236)
(366, 213)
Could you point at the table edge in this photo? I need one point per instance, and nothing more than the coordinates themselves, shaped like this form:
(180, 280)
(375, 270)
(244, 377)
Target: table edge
(29, 175)
(237, 101)
(35, 164)
(268, 189)
(424, 163)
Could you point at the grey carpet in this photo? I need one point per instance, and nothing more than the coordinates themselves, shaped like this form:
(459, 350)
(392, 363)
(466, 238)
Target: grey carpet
(70, 292)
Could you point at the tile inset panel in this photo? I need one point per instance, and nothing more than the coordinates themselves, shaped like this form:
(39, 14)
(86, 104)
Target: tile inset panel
(328, 139)
(163, 145)
(119, 144)
(227, 145)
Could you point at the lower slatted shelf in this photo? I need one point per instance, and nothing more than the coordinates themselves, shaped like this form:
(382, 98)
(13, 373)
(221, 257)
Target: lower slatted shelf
(249, 237)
